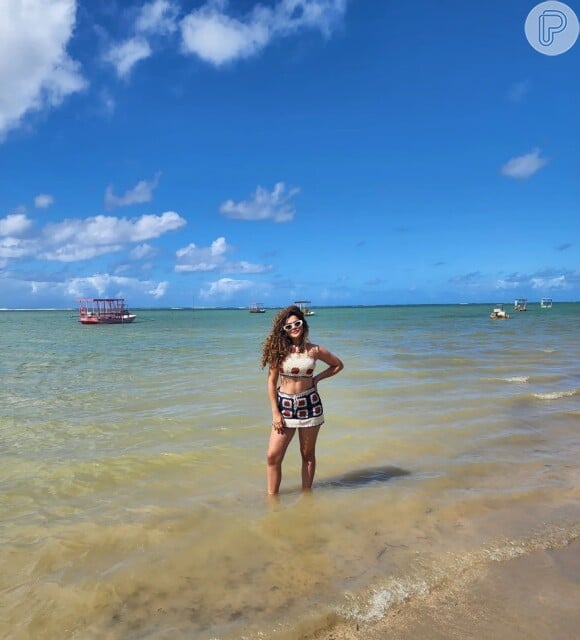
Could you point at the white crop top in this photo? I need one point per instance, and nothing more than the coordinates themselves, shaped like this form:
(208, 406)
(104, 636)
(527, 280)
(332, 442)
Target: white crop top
(298, 365)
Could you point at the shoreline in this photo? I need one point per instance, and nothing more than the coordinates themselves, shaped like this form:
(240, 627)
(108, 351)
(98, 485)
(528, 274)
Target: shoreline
(530, 597)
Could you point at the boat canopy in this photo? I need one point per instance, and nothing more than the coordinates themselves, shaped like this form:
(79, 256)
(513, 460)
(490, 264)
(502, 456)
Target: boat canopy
(104, 311)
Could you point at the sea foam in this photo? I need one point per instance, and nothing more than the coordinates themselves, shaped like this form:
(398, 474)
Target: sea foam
(555, 395)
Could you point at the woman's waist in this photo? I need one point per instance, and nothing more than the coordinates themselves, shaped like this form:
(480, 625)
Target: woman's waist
(296, 386)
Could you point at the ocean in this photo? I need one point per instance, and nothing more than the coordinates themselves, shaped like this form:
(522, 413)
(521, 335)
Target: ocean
(132, 475)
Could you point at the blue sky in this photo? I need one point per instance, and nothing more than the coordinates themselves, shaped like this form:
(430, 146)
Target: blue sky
(341, 151)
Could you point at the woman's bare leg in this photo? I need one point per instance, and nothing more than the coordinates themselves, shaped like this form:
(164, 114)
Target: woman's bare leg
(276, 451)
(308, 436)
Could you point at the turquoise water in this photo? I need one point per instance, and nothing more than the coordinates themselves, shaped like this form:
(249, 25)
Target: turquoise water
(133, 467)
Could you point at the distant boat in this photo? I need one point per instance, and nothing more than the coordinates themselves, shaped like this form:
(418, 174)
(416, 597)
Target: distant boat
(498, 313)
(520, 304)
(304, 306)
(104, 311)
(546, 303)
(257, 307)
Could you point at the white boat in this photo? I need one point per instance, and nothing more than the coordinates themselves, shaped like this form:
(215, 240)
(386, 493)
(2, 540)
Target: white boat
(546, 303)
(257, 307)
(520, 304)
(104, 311)
(498, 313)
(304, 306)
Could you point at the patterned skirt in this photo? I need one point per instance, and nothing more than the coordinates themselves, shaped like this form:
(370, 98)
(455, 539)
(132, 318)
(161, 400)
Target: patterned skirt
(301, 409)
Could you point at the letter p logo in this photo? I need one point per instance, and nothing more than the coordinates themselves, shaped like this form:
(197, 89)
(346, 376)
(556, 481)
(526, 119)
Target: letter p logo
(550, 23)
(552, 28)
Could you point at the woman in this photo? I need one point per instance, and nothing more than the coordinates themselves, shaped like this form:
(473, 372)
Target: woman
(295, 403)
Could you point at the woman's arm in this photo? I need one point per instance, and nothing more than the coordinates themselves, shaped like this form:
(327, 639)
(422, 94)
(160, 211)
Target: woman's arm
(334, 363)
(277, 419)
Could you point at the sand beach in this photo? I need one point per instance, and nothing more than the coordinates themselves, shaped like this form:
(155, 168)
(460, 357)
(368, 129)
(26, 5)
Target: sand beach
(528, 598)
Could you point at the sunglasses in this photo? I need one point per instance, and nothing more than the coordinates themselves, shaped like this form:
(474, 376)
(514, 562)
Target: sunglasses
(293, 325)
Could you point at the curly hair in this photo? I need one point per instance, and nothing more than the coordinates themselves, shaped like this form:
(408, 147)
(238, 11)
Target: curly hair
(277, 345)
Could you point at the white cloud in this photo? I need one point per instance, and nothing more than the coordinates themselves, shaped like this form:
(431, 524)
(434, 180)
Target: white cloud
(217, 38)
(110, 230)
(49, 289)
(11, 245)
(544, 279)
(159, 290)
(226, 287)
(43, 201)
(104, 284)
(157, 17)
(11, 248)
(246, 267)
(74, 252)
(14, 224)
(75, 240)
(78, 286)
(508, 284)
(523, 167)
(263, 205)
(558, 282)
(126, 55)
(81, 239)
(140, 193)
(142, 252)
(192, 258)
(19, 209)
(35, 69)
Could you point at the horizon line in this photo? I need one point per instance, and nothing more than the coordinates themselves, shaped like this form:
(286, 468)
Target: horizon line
(321, 306)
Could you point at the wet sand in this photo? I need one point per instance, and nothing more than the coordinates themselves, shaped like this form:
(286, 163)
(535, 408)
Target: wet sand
(535, 597)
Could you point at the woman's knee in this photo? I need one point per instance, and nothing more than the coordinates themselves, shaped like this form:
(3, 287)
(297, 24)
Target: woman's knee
(308, 454)
(274, 458)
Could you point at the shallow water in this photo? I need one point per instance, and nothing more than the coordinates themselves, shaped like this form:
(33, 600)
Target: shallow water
(132, 480)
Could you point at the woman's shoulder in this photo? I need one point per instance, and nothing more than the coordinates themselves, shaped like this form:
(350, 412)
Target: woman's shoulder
(312, 349)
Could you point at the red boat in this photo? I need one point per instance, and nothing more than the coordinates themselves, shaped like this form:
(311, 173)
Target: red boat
(104, 311)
